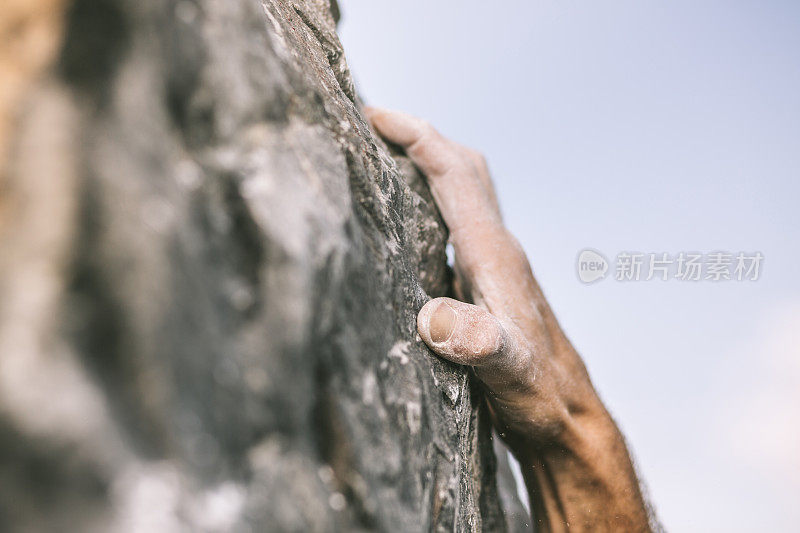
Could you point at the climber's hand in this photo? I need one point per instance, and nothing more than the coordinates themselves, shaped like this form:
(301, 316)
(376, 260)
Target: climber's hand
(509, 336)
(540, 395)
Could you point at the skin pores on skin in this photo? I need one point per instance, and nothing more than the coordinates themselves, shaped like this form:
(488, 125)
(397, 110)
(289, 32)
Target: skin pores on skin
(576, 466)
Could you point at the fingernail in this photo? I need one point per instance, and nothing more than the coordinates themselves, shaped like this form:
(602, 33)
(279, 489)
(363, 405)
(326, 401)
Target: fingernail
(442, 323)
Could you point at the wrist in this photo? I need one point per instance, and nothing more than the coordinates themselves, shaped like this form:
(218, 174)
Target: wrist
(582, 476)
(536, 423)
(541, 404)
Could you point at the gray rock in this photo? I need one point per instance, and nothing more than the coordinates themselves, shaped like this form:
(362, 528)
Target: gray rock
(210, 269)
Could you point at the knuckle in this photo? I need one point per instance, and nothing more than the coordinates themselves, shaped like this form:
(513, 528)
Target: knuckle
(513, 250)
(518, 253)
(476, 160)
(426, 129)
(427, 126)
(477, 156)
(425, 134)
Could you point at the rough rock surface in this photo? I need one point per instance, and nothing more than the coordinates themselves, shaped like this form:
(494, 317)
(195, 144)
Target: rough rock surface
(210, 269)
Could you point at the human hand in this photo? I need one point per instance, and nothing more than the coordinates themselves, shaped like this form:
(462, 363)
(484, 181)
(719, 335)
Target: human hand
(541, 399)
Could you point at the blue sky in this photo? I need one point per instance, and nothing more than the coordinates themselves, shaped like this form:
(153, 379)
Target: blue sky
(652, 127)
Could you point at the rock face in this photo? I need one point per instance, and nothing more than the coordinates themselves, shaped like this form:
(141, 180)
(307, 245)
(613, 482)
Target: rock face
(210, 269)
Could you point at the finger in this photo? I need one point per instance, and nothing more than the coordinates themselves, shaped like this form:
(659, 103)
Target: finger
(482, 170)
(463, 333)
(432, 153)
(461, 194)
(494, 266)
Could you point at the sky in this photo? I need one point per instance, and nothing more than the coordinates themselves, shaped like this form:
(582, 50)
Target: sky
(638, 126)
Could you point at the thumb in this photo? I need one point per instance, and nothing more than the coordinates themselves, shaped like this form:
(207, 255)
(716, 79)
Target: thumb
(463, 333)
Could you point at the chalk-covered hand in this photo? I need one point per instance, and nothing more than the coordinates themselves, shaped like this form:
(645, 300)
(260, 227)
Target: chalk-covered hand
(574, 459)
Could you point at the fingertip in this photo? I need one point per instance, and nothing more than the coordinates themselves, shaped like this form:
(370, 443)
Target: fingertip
(370, 111)
(396, 126)
(423, 320)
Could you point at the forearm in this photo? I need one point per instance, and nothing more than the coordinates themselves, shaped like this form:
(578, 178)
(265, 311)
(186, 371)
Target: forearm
(582, 479)
(576, 465)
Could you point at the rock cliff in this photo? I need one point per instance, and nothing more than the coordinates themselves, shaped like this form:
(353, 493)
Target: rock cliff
(210, 269)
